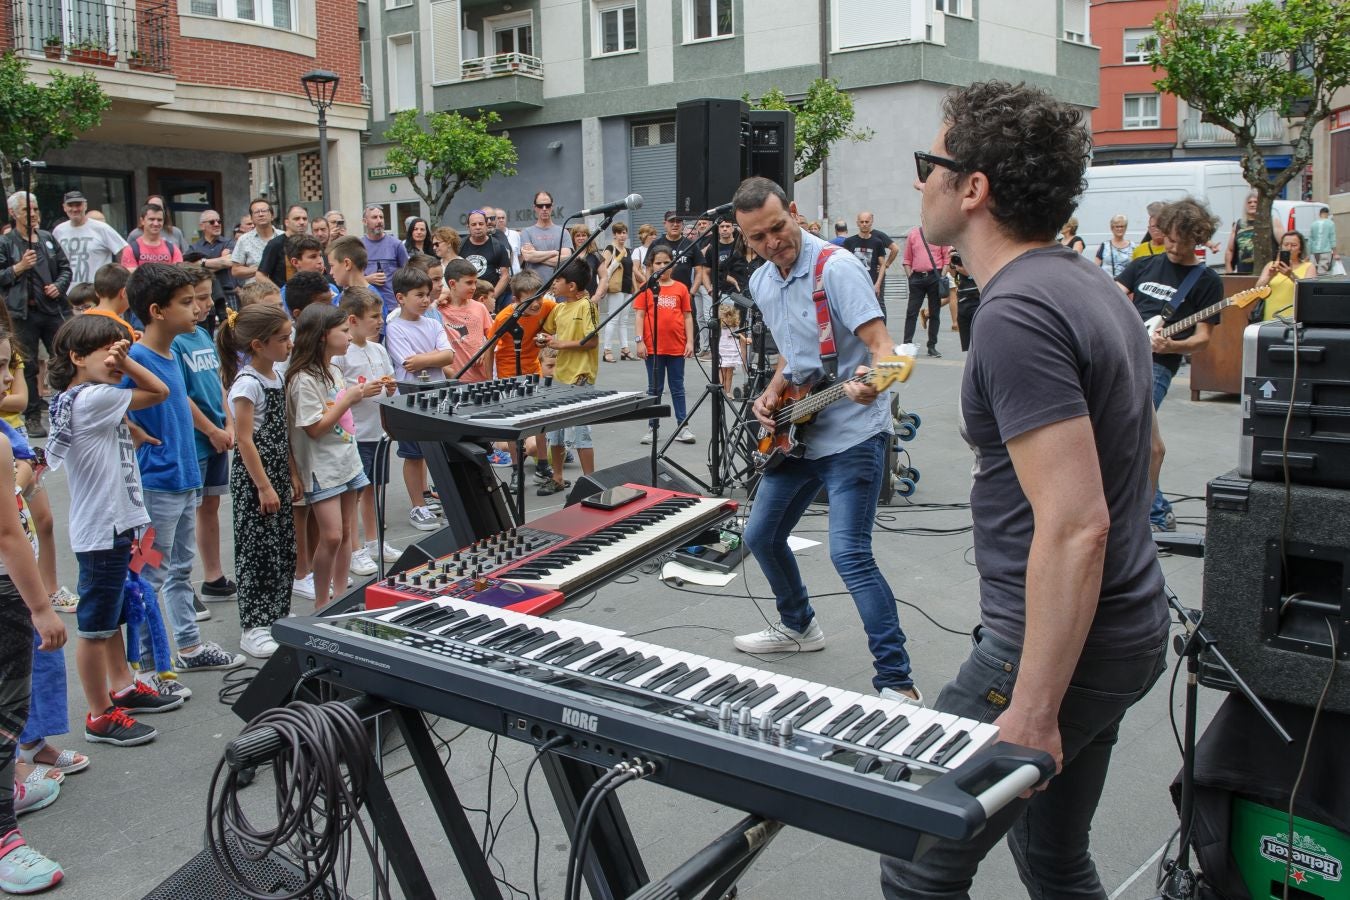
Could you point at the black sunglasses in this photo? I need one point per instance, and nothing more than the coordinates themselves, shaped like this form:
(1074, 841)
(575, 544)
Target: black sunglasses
(543, 206)
(210, 221)
(926, 162)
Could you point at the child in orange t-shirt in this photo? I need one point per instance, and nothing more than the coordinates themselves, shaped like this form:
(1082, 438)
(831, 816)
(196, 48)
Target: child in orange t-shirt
(524, 285)
(666, 340)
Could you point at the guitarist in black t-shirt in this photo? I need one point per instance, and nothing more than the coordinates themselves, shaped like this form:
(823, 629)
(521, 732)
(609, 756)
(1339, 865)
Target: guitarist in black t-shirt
(1174, 284)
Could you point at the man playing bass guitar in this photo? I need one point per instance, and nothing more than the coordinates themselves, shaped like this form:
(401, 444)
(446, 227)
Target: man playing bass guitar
(844, 447)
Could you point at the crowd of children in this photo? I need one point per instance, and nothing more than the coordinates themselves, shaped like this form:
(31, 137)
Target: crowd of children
(155, 419)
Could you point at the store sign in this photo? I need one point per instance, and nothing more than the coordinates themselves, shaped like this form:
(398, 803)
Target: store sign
(378, 172)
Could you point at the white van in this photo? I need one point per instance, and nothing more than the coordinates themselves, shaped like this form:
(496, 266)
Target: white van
(1295, 215)
(1129, 189)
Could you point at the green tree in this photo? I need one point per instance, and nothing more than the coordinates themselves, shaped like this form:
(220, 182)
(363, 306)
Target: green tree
(1233, 64)
(823, 118)
(36, 119)
(446, 153)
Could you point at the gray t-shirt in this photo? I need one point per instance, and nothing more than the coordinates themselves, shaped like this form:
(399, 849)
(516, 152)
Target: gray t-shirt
(550, 239)
(1058, 339)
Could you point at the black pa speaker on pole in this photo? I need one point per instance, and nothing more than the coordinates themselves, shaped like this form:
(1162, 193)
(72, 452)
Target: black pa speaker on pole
(773, 138)
(712, 141)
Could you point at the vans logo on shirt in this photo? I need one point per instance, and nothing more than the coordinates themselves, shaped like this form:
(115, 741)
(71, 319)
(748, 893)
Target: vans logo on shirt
(202, 360)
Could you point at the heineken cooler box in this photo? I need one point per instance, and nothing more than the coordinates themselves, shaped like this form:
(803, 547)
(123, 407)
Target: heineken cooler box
(1261, 848)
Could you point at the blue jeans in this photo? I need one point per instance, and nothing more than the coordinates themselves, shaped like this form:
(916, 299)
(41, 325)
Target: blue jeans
(853, 479)
(1048, 834)
(662, 368)
(103, 578)
(174, 518)
(1162, 380)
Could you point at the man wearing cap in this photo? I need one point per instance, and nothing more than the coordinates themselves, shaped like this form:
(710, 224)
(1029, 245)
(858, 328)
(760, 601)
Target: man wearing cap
(88, 243)
(542, 249)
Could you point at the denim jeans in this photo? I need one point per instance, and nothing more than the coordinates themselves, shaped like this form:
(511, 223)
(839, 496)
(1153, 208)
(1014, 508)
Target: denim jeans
(1162, 380)
(853, 479)
(1048, 834)
(174, 518)
(103, 579)
(663, 368)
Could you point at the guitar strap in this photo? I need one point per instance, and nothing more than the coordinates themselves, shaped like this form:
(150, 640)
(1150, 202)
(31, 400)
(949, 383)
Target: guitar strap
(1171, 306)
(829, 357)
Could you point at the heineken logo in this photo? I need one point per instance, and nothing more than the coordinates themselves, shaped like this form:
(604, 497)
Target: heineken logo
(1308, 855)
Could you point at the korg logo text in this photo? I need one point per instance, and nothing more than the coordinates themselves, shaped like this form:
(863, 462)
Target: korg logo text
(579, 719)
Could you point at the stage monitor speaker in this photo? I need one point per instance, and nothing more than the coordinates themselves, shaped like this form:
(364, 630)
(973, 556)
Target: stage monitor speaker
(712, 141)
(773, 138)
(638, 471)
(1269, 594)
(201, 879)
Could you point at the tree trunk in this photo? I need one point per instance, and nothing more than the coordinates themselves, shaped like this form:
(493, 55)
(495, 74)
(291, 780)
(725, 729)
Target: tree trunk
(1265, 235)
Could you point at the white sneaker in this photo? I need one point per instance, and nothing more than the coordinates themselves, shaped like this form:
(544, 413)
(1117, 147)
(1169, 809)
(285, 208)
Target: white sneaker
(782, 639)
(362, 564)
(258, 643)
(391, 553)
(423, 519)
(646, 437)
(685, 436)
(898, 694)
(304, 587)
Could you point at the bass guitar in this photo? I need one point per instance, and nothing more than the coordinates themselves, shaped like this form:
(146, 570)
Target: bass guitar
(800, 403)
(1241, 300)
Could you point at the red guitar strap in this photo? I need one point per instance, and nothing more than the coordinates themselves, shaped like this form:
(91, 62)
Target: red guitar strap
(828, 355)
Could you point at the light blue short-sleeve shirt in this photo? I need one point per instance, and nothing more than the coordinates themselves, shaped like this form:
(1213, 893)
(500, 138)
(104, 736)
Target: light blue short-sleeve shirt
(791, 317)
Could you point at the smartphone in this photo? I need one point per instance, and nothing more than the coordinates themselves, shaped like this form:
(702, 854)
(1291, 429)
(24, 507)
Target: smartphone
(1284, 257)
(613, 498)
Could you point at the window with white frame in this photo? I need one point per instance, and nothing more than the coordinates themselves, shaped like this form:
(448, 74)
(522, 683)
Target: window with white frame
(950, 7)
(866, 23)
(615, 27)
(1141, 111)
(1138, 44)
(272, 13)
(402, 73)
(706, 19)
(1076, 21)
(510, 34)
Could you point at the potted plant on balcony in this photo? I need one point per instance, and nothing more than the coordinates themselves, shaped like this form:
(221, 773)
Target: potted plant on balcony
(138, 61)
(91, 53)
(51, 46)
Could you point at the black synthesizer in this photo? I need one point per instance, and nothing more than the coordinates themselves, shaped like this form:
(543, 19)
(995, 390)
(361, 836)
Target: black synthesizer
(885, 775)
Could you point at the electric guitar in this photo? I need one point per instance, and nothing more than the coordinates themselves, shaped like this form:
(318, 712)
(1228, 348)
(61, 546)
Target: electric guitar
(1241, 300)
(800, 403)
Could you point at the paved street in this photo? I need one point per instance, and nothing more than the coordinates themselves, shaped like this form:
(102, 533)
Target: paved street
(137, 814)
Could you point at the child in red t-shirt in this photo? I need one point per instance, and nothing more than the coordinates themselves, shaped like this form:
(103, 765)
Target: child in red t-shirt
(666, 340)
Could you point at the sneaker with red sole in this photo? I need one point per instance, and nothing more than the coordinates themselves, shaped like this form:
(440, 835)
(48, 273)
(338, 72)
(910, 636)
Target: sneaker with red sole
(118, 728)
(23, 870)
(141, 698)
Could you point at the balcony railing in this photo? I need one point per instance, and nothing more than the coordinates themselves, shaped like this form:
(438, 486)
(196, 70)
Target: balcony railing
(123, 33)
(1269, 130)
(501, 64)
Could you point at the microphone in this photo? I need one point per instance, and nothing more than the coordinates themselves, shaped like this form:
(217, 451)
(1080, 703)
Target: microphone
(717, 211)
(632, 201)
(32, 163)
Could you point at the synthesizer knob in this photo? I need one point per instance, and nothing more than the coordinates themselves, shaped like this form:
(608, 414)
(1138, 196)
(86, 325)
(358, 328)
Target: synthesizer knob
(417, 579)
(412, 400)
(445, 568)
(785, 729)
(724, 717)
(746, 720)
(766, 726)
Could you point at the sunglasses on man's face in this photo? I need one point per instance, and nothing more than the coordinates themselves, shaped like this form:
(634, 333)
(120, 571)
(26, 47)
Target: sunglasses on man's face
(927, 162)
(210, 221)
(543, 206)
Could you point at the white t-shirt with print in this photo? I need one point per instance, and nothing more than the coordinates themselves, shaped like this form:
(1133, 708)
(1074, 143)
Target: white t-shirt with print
(404, 338)
(105, 482)
(330, 459)
(371, 362)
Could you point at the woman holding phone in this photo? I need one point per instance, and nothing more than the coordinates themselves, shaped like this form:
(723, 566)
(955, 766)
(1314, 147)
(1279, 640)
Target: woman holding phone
(1283, 275)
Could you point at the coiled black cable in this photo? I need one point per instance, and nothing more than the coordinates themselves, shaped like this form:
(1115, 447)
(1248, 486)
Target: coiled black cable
(320, 776)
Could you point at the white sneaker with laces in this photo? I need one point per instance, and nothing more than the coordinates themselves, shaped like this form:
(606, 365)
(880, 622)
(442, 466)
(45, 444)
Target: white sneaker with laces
(304, 587)
(646, 437)
(782, 639)
(362, 564)
(258, 643)
(63, 601)
(391, 553)
(423, 519)
(685, 436)
(898, 694)
(168, 687)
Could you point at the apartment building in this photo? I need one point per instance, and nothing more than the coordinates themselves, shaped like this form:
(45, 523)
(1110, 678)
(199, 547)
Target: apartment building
(198, 89)
(587, 89)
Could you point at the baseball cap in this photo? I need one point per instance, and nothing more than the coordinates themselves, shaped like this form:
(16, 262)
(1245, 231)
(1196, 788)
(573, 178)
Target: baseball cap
(74, 197)
(673, 215)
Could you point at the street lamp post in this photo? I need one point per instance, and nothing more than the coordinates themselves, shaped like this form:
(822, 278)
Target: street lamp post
(321, 88)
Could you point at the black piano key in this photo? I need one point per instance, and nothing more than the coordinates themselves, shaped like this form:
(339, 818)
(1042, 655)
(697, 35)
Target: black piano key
(868, 722)
(463, 625)
(867, 763)
(793, 702)
(560, 650)
(930, 736)
(843, 720)
(602, 662)
(414, 617)
(888, 731)
(665, 676)
(718, 687)
(542, 639)
(439, 617)
(525, 634)
(955, 744)
(505, 636)
(896, 771)
(631, 673)
(744, 689)
(487, 627)
(580, 653)
(687, 681)
(813, 709)
(758, 696)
